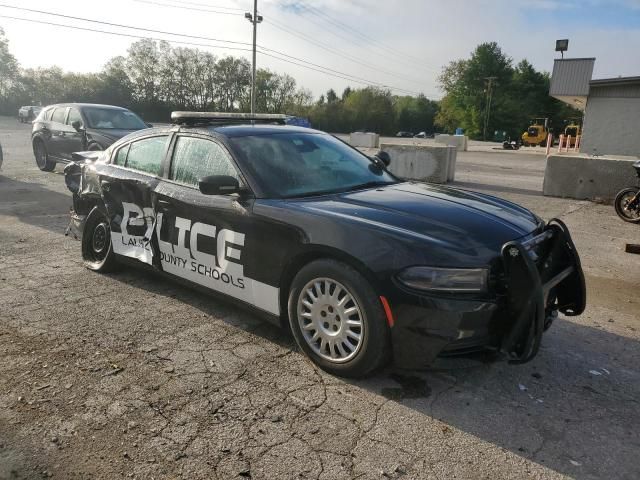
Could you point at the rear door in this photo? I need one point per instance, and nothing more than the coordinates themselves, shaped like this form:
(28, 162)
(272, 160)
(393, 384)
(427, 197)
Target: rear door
(207, 238)
(128, 186)
(56, 134)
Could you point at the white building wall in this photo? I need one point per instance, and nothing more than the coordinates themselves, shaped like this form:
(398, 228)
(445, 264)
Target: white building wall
(612, 126)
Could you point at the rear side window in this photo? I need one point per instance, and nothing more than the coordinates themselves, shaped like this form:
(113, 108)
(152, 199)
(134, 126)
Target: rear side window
(194, 158)
(146, 155)
(59, 114)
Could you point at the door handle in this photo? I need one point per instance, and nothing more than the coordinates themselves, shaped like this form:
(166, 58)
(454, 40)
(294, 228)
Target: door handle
(164, 203)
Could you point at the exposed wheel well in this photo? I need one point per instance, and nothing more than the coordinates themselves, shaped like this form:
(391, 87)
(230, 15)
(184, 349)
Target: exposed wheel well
(34, 141)
(309, 256)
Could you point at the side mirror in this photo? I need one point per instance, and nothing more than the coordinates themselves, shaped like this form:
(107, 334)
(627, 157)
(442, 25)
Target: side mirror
(383, 157)
(219, 185)
(77, 125)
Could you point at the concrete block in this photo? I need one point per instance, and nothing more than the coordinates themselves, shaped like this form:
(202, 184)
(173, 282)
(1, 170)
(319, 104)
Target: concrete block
(427, 163)
(459, 141)
(587, 178)
(366, 140)
(453, 157)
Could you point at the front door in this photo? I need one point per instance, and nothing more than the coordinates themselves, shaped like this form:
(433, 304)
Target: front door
(206, 238)
(71, 140)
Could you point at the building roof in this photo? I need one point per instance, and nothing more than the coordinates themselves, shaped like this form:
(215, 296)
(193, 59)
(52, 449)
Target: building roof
(605, 82)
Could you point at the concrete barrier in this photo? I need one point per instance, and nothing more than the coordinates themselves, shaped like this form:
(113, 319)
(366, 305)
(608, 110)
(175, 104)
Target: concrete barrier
(458, 141)
(587, 178)
(427, 163)
(366, 140)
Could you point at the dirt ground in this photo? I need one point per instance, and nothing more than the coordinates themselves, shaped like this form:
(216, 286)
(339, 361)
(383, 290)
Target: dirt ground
(131, 376)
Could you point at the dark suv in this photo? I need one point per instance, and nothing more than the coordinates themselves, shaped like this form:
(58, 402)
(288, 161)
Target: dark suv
(62, 129)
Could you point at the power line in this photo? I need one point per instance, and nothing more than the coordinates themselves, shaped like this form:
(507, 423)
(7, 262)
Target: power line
(393, 55)
(369, 82)
(122, 34)
(163, 32)
(207, 5)
(280, 26)
(187, 8)
(332, 50)
(129, 35)
(349, 29)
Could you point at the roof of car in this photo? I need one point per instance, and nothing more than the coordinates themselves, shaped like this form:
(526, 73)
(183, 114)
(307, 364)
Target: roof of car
(97, 105)
(260, 129)
(228, 131)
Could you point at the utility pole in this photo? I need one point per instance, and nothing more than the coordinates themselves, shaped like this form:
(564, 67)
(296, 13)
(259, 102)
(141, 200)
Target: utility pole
(487, 112)
(255, 19)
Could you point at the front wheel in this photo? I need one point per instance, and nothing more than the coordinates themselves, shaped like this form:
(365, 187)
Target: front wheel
(627, 204)
(97, 250)
(338, 320)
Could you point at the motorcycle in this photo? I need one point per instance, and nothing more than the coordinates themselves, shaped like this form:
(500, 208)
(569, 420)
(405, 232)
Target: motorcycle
(627, 201)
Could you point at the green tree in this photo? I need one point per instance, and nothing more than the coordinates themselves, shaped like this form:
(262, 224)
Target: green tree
(9, 74)
(465, 84)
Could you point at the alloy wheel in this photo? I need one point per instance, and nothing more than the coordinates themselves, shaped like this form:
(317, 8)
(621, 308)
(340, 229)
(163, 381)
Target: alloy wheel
(331, 321)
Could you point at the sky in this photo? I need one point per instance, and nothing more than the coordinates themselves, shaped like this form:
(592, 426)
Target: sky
(402, 45)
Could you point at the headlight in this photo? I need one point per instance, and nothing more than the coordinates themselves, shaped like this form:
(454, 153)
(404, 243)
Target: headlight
(445, 279)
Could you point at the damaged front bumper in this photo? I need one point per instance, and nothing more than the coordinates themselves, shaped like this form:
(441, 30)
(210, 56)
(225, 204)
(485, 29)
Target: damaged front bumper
(538, 277)
(76, 225)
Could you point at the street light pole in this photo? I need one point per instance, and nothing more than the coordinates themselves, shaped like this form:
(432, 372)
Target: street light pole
(255, 19)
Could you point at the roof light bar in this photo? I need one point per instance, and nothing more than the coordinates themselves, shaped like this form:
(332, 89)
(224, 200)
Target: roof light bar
(225, 118)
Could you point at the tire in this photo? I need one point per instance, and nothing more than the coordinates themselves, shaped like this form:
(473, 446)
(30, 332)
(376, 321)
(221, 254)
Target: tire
(357, 348)
(43, 160)
(622, 199)
(97, 250)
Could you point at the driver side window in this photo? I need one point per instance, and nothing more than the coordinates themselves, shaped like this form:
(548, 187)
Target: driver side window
(194, 158)
(74, 115)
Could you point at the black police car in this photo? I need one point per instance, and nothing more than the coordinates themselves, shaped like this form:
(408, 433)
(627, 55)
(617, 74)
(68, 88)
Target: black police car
(59, 130)
(301, 226)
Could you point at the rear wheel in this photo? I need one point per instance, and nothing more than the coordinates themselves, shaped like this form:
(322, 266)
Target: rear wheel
(43, 160)
(337, 319)
(97, 251)
(628, 205)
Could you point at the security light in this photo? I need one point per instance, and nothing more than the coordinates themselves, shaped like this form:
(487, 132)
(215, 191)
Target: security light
(562, 46)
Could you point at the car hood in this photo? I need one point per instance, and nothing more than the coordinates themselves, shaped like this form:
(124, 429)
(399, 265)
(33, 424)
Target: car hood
(447, 217)
(110, 133)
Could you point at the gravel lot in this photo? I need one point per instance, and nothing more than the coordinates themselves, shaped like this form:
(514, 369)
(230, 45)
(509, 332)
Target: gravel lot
(130, 376)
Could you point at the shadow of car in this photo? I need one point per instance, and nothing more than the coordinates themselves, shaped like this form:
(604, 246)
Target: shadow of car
(59, 130)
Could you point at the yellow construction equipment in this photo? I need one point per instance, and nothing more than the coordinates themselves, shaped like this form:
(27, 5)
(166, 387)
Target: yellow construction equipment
(574, 129)
(537, 133)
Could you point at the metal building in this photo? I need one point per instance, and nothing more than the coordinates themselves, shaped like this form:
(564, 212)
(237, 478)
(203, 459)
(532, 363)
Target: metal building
(611, 106)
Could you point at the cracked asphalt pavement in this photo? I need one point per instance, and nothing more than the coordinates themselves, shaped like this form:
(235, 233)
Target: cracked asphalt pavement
(128, 375)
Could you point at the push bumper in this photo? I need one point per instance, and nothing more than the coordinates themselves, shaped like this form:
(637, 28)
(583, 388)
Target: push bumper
(538, 277)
